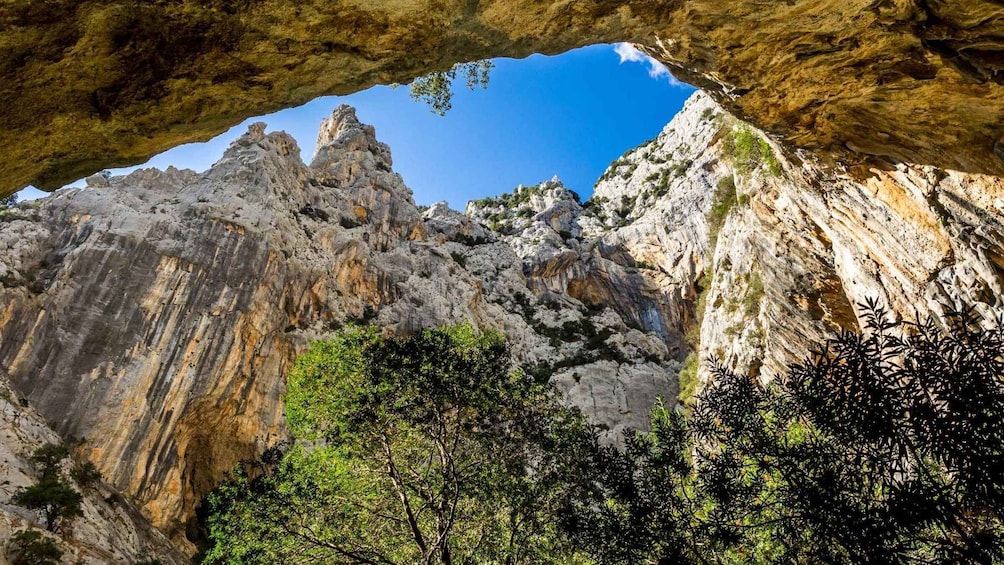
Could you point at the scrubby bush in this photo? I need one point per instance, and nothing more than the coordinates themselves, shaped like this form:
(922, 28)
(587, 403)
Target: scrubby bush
(748, 151)
(30, 547)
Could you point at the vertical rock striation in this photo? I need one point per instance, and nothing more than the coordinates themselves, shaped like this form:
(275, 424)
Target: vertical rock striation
(779, 251)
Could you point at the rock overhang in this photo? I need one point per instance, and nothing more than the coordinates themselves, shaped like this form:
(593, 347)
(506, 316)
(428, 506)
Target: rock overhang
(94, 84)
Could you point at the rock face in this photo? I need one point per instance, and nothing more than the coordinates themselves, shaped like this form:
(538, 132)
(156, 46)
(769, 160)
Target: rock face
(780, 251)
(807, 247)
(153, 316)
(111, 529)
(86, 85)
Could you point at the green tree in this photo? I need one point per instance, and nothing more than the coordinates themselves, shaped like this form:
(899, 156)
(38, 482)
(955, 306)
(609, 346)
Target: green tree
(436, 89)
(30, 547)
(52, 496)
(427, 449)
(884, 447)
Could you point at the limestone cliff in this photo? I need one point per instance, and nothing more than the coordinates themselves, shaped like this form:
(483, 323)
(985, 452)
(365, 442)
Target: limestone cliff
(111, 529)
(780, 250)
(90, 84)
(153, 316)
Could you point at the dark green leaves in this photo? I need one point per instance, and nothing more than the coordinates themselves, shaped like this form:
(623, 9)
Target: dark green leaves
(436, 89)
(52, 496)
(884, 447)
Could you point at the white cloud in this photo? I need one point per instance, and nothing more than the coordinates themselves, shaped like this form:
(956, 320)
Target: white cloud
(656, 70)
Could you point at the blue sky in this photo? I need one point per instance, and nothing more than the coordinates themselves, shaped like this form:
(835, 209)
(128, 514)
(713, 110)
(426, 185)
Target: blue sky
(568, 115)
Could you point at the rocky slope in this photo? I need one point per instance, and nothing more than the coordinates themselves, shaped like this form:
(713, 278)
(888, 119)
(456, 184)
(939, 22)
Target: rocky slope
(782, 250)
(90, 84)
(111, 530)
(153, 315)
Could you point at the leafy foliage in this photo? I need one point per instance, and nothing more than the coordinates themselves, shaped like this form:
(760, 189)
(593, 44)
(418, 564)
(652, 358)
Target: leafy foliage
(30, 547)
(748, 151)
(436, 89)
(52, 496)
(428, 449)
(8, 201)
(882, 448)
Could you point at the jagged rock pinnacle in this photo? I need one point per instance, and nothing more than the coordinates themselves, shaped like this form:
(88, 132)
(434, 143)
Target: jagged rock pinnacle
(341, 120)
(344, 132)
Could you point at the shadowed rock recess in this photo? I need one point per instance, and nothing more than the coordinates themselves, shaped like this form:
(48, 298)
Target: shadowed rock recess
(86, 85)
(153, 316)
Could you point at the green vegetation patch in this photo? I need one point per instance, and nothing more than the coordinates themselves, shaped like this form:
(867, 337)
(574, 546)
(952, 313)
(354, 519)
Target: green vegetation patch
(426, 449)
(688, 380)
(884, 447)
(31, 547)
(689, 383)
(845, 460)
(436, 89)
(748, 151)
(724, 201)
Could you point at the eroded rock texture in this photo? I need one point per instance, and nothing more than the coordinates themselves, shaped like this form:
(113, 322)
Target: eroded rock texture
(800, 246)
(85, 85)
(111, 529)
(154, 315)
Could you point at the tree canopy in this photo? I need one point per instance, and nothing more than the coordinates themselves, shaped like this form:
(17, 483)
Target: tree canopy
(428, 449)
(882, 447)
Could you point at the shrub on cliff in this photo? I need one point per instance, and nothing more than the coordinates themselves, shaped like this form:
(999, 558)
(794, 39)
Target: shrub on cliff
(29, 547)
(52, 496)
(748, 151)
(882, 448)
(428, 449)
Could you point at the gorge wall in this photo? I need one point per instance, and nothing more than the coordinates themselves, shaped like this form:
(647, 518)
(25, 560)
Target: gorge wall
(151, 317)
(86, 85)
(111, 528)
(785, 248)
